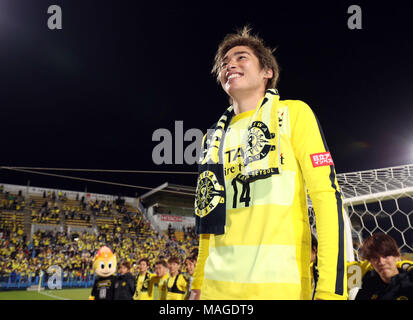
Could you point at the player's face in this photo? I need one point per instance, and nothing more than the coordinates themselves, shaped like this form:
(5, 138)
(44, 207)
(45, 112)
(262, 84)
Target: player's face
(123, 270)
(241, 72)
(173, 267)
(160, 270)
(143, 267)
(190, 266)
(385, 266)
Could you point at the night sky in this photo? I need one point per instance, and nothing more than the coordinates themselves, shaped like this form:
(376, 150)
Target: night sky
(92, 94)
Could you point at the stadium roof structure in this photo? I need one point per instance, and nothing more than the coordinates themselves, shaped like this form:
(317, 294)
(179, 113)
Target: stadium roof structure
(170, 195)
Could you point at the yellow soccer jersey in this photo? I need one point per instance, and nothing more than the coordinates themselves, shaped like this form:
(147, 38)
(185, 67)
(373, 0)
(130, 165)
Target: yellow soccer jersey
(158, 287)
(142, 286)
(177, 287)
(265, 251)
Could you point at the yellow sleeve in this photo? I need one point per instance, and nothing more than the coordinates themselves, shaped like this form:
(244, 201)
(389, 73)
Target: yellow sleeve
(182, 283)
(203, 253)
(319, 174)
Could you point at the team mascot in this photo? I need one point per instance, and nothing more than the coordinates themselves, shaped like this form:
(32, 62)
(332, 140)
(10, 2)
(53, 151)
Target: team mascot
(104, 266)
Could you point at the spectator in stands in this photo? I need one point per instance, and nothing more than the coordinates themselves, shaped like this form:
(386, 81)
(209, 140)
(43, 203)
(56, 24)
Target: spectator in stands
(125, 283)
(75, 257)
(386, 278)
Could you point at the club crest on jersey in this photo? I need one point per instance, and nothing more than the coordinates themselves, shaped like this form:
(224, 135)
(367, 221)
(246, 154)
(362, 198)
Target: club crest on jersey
(209, 193)
(321, 159)
(258, 142)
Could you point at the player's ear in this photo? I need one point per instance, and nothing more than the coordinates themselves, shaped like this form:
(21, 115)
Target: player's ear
(268, 73)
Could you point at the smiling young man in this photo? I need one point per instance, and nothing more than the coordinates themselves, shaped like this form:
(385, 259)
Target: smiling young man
(158, 284)
(142, 280)
(256, 167)
(386, 277)
(177, 284)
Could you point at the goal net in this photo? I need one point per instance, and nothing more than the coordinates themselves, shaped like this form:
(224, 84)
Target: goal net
(379, 200)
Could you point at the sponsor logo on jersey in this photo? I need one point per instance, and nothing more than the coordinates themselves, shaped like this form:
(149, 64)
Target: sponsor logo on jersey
(209, 193)
(280, 118)
(321, 159)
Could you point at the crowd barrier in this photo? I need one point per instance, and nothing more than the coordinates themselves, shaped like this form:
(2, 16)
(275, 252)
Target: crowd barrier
(17, 281)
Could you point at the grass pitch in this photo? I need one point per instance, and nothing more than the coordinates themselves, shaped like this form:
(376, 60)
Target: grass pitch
(64, 294)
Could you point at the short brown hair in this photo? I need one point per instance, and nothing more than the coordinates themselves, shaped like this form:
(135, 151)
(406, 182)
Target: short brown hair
(243, 37)
(146, 260)
(379, 245)
(174, 260)
(162, 262)
(125, 263)
(191, 258)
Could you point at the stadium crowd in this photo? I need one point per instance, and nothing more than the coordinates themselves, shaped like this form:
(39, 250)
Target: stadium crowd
(75, 255)
(131, 238)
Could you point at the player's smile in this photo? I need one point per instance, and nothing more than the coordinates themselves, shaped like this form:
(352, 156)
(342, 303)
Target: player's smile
(231, 76)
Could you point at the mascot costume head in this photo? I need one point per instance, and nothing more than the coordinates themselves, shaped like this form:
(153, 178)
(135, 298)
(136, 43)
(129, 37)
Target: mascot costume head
(104, 263)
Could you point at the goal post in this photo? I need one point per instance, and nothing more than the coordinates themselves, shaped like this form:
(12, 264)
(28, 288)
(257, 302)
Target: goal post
(380, 200)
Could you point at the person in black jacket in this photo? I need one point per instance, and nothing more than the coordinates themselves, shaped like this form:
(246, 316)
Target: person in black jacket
(125, 284)
(390, 279)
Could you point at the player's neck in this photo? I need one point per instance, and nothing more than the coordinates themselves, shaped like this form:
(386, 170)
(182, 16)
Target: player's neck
(173, 274)
(246, 102)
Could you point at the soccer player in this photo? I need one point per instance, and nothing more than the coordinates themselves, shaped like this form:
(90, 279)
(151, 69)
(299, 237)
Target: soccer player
(142, 280)
(158, 284)
(190, 263)
(177, 284)
(256, 167)
(386, 277)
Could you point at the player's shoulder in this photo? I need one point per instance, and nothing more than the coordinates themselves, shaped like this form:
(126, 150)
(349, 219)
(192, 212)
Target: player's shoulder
(405, 265)
(296, 108)
(294, 104)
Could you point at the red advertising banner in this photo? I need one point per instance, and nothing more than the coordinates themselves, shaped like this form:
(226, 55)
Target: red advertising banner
(165, 217)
